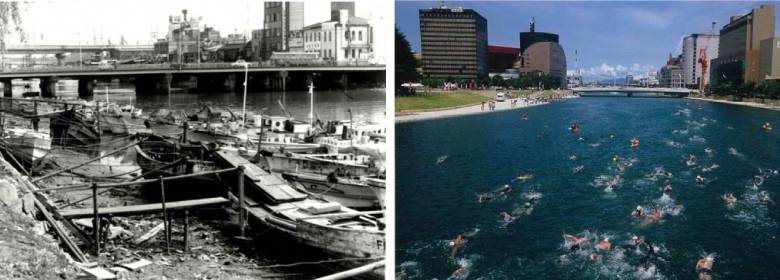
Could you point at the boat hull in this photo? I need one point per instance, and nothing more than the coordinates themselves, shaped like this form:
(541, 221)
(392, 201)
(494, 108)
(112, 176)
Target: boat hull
(283, 163)
(350, 193)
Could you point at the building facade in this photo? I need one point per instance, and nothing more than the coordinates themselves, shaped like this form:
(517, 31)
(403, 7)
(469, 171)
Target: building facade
(349, 40)
(453, 43)
(499, 58)
(692, 46)
(671, 74)
(769, 65)
(183, 38)
(540, 52)
(739, 46)
(282, 27)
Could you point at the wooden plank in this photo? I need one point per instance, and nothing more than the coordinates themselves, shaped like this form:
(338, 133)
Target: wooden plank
(141, 209)
(272, 186)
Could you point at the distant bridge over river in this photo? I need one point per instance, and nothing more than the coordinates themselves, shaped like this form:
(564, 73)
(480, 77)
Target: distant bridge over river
(632, 92)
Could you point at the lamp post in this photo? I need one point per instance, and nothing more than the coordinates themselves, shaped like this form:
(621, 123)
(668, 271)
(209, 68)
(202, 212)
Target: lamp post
(246, 83)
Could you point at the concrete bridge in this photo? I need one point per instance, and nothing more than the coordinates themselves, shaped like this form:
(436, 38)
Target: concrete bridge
(632, 91)
(158, 78)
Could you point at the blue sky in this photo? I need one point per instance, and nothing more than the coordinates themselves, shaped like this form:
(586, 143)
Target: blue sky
(612, 38)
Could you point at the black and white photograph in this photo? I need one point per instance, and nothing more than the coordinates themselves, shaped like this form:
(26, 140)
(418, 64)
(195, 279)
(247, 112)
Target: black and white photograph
(193, 139)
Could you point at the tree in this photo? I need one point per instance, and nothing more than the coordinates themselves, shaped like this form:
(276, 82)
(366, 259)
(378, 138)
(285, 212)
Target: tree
(405, 63)
(10, 21)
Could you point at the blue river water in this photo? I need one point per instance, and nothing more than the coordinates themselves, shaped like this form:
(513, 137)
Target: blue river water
(443, 165)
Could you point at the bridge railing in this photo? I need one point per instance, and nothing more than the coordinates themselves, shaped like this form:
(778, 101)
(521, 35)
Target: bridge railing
(185, 66)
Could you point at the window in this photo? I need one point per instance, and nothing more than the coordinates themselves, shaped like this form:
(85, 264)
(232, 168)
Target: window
(353, 53)
(360, 35)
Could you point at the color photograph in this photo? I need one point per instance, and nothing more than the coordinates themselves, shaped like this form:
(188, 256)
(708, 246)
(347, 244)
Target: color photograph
(586, 140)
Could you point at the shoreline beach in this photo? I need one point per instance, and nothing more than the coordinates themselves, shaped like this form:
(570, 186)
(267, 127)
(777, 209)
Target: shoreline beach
(402, 117)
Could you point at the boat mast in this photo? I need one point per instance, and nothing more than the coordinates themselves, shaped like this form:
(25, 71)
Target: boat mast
(311, 104)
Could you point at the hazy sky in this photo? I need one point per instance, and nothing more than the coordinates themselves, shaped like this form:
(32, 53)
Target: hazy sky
(612, 38)
(74, 21)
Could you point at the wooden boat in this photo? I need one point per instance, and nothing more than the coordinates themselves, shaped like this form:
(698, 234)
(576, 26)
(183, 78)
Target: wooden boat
(159, 157)
(350, 192)
(336, 230)
(378, 186)
(121, 120)
(324, 164)
(72, 127)
(26, 146)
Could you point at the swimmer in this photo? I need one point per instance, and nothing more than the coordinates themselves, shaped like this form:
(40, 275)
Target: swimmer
(485, 197)
(456, 244)
(767, 126)
(458, 274)
(699, 179)
(691, 160)
(604, 246)
(704, 267)
(575, 243)
(615, 158)
(634, 142)
(574, 128)
(525, 116)
(763, 196)
(638, 212)
(504, 190)
(573, 157)
(709, 151)
(507, 218)
(730, 200)
(578, 168)
(668, 189)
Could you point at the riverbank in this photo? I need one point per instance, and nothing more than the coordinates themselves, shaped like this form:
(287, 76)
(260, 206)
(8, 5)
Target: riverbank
(770, 106)
(538, 98)
(438, 101)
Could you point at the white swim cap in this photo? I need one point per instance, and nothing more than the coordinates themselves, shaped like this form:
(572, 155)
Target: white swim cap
(606, 239)
(634, 237)
(638, 207)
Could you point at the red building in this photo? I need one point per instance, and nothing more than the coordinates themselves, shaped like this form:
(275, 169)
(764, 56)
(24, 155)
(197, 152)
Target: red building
(501, 58)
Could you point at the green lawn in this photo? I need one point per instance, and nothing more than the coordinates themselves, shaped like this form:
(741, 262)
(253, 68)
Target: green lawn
(437, 101)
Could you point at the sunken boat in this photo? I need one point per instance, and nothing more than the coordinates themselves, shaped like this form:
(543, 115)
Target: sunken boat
(73, 128)
(158, 156)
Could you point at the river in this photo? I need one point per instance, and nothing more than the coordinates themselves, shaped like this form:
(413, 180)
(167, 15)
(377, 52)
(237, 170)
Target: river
(443, 165)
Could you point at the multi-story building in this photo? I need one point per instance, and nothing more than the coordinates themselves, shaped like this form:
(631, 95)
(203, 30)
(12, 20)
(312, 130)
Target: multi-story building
(282, 27)
(739, 46)
(183, 38)
(540, 52)
(671, 74)
(499, 58)
(256, 46)
(692, 46)
(337, 6)
(769, 65)
(453, 43)
(629, 80)
(346, 40)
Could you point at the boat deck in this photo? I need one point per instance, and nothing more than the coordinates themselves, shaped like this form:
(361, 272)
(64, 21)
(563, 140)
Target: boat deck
(272, 186)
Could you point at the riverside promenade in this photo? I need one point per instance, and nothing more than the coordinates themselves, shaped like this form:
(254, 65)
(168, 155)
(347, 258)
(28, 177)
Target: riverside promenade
(522, 102)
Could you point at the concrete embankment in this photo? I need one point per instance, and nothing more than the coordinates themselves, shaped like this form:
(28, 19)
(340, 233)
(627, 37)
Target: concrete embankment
(26, 251)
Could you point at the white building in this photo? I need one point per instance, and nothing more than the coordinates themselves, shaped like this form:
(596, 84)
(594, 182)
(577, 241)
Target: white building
(347, 40)
(690, 61)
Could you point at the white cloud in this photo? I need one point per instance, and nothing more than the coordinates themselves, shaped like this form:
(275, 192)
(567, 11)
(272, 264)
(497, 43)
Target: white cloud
(607, 71)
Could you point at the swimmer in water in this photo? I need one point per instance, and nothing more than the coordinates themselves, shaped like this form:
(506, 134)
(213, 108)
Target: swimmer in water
(704, 267)
(763, 196)
(709, 151)
(634, 142)
(668, 189)
(525, 116)
(573, 157)
(578, 168)
(691, 160)
(730, 200)
(458, 274)
(638, 212)
(507, 218)
(485, 197)
(699, 179)
(767, 126)
(456, 244)
(575, 243)
(615, 158)
(504, 190)
(604, 246)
